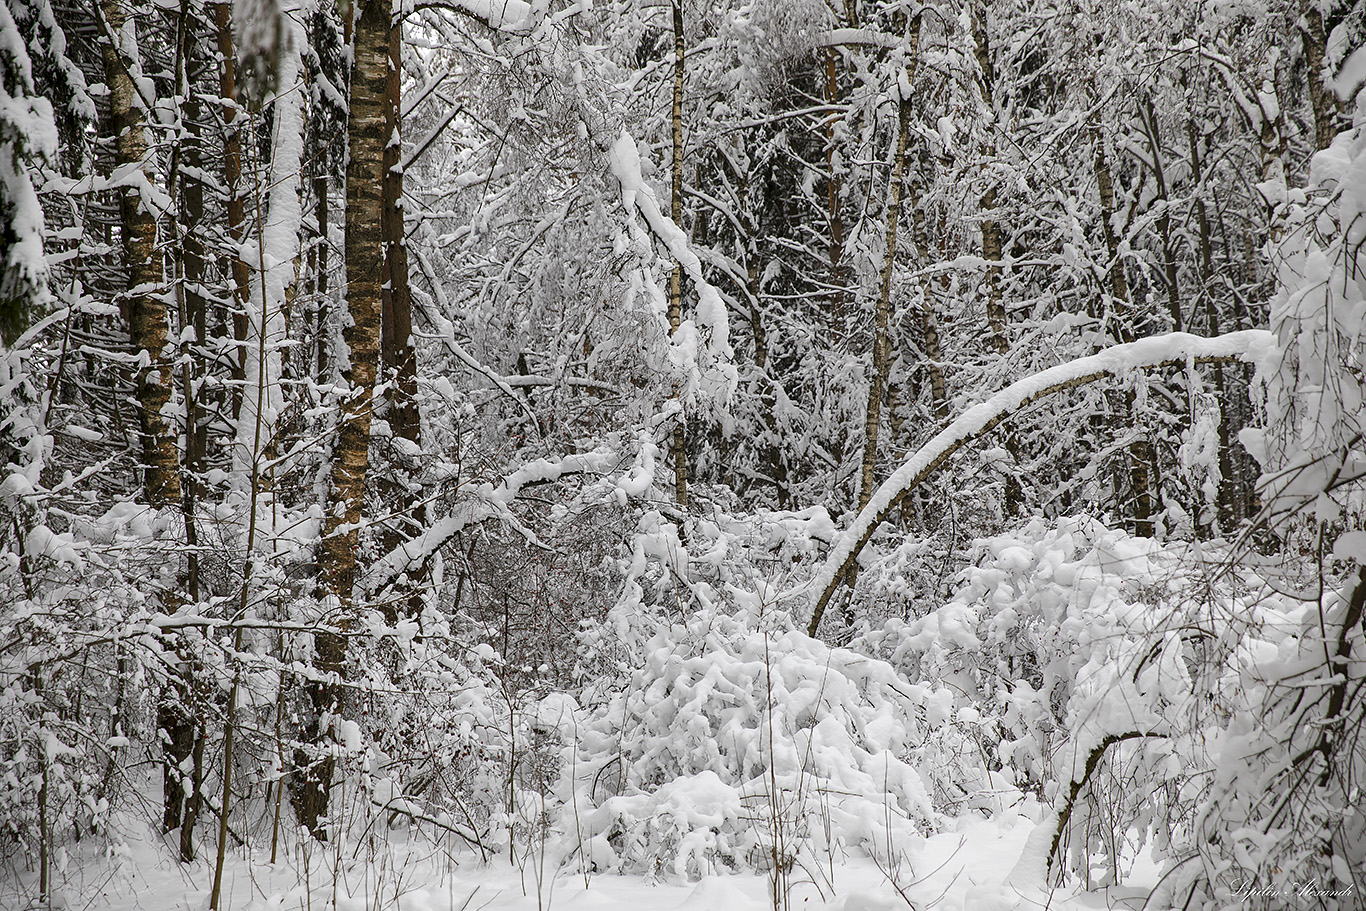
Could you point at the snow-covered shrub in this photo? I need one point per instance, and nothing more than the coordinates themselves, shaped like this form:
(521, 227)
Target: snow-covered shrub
(1277, 740)
(1006, 638)
(1161, 698)
(666, 574)
(528, 600)
(68, 729)
(1077, 653)
(436, 733)
(739, 742)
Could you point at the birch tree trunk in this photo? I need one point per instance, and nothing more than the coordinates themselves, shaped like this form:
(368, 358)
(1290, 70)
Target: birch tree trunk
(149, 332)
(364, 265)
(350, 457)
(146, 288)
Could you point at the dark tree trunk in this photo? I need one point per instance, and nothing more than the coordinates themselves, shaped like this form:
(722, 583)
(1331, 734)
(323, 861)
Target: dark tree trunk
(1322, 99)
(991, 228)
(236, 199)
(398, 356)
(877, 383)
(678, 449)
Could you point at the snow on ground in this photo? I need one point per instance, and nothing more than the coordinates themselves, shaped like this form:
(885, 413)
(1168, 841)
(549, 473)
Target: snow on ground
(964, 867)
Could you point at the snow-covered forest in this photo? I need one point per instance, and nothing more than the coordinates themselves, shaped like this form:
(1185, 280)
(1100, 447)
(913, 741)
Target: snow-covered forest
(714, 454)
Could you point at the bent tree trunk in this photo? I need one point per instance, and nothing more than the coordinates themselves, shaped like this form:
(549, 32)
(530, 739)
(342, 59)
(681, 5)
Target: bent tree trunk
(1175, 349)
(350, 458)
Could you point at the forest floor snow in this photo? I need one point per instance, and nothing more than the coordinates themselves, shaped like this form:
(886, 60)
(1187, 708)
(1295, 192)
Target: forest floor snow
(964, 868)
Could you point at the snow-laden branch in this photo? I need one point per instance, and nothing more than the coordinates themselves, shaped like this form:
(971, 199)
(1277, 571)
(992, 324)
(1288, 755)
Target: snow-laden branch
(512, 17)
(866, 37)
(637, 195)
(1174, 349)
(521, 381)
(1254, 111)
(489, 502)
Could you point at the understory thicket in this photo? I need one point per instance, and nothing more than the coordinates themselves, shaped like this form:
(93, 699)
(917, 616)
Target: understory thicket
(677, 439)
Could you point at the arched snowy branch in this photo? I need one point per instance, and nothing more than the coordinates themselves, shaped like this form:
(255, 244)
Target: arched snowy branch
(1174, 349)
(511, 16)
